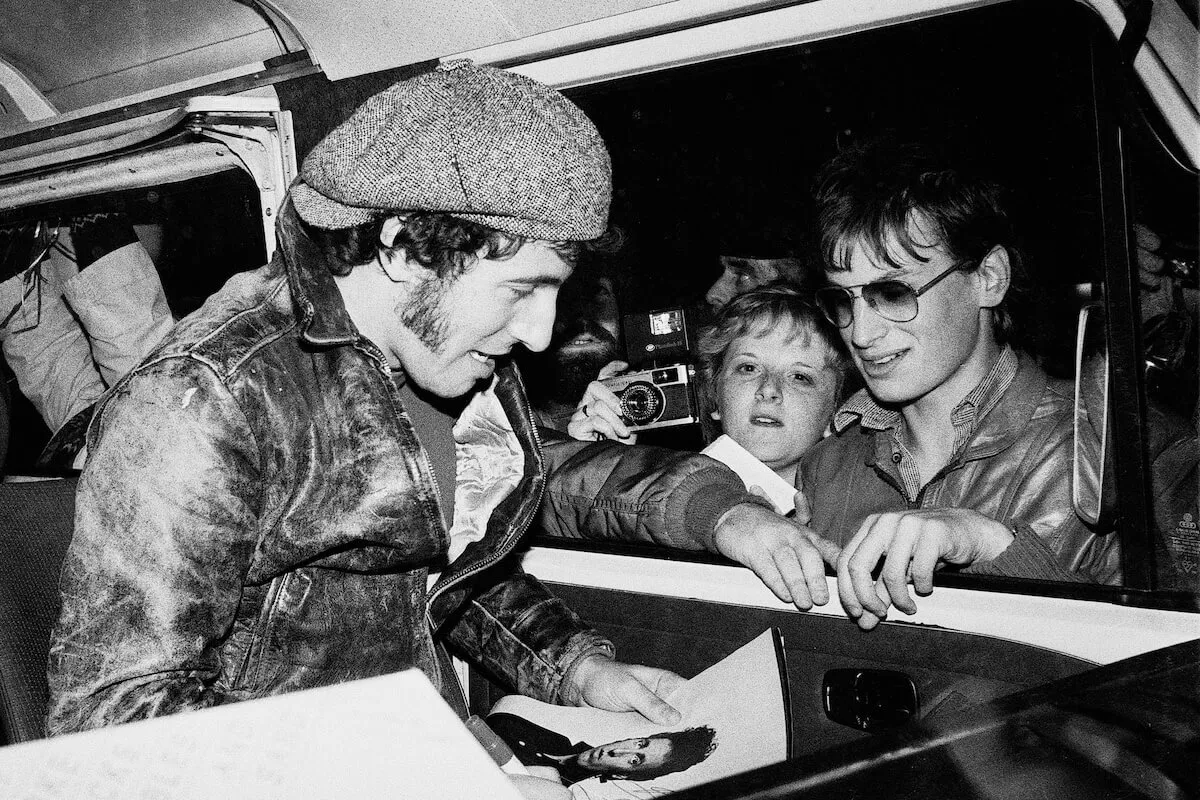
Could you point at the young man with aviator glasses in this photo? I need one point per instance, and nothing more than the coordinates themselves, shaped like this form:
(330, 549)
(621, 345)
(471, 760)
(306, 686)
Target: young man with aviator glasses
(957, 453)
(958, 450)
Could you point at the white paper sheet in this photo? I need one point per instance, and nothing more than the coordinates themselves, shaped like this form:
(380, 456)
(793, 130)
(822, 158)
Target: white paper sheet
(753, 472)
(391, 736)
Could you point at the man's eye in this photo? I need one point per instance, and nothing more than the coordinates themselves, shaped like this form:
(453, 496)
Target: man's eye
(521, 292)
(802, 378)
(745, 369)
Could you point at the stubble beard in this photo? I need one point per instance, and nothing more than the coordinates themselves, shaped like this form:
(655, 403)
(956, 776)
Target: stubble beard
(423, 314)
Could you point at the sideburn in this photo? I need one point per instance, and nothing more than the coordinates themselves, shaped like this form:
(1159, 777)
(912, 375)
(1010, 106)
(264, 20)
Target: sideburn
(422, 313)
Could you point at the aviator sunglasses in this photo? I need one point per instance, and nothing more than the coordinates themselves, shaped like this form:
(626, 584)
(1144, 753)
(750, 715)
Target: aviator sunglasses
(893, 300)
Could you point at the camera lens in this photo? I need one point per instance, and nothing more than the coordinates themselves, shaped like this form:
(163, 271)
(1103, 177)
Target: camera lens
(641, 402)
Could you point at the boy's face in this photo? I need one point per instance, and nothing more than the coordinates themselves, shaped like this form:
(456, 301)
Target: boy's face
(944, 352)
(776, 393)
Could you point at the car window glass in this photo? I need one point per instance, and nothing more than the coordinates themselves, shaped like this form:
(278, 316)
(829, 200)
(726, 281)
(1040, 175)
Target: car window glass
(1163, 199)
(717, 158)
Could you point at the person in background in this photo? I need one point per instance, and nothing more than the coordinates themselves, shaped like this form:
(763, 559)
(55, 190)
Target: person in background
(586, 342)
(572, 376)
(775, 368)
(80, 305)
(1169, 297)
(740, 274)
(320, 475)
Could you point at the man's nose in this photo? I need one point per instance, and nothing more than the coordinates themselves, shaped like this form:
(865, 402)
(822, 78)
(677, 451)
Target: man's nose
(718, 294)
(866, 326)
(533, 324)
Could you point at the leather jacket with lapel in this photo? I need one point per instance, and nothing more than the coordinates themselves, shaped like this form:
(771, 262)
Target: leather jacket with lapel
(257, 517)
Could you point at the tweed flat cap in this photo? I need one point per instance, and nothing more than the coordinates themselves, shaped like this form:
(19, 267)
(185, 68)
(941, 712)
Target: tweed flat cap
(478, 143)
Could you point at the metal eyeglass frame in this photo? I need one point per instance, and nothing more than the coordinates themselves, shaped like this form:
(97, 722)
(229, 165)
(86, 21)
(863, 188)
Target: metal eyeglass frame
(849, 290)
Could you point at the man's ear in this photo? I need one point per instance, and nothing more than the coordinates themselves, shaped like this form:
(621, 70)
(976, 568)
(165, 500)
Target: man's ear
(995, 275)
(389, 231)
(395, 263)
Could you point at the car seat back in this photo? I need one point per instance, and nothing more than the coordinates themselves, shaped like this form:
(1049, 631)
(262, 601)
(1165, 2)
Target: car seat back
(36, 523)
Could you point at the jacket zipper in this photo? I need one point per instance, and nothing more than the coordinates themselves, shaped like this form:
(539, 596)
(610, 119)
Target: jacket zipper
(516, 532)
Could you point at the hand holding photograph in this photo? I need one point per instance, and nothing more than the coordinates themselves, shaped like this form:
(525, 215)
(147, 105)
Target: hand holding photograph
(735, 718)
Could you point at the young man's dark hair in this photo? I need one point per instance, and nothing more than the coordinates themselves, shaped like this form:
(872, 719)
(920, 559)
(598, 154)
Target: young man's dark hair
(870, 192)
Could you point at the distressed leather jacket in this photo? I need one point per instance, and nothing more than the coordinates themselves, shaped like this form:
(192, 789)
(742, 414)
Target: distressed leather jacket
(256, 516)
(1016, 469)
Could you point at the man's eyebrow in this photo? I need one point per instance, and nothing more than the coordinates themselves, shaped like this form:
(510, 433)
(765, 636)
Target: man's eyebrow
(892, 274)
(905, 274)
(539, 280)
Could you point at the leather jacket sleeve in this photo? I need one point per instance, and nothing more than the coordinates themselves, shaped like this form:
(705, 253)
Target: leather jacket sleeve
(523, 635)
(164, 535)
(1050, 541)
(606, 490)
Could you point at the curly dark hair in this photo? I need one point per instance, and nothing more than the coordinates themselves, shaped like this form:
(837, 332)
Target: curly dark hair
(869, 193)
(688, 748)
(440, 242)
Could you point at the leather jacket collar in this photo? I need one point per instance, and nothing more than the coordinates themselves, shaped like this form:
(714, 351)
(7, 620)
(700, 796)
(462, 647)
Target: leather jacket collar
(324, 322)
(323, 317)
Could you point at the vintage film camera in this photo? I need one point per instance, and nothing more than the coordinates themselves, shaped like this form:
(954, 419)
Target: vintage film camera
(663, 395)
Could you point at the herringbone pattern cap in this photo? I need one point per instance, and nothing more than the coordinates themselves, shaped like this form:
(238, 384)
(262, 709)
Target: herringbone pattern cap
(479, 143)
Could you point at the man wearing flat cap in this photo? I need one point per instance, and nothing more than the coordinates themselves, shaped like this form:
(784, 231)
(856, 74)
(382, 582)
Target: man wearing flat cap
(320, 474)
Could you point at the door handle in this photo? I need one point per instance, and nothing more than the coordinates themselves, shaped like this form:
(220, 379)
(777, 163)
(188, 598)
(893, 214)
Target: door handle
(871, 700)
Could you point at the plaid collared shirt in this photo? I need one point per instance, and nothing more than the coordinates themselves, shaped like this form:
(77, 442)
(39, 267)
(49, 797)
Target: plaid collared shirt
(964, 418)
